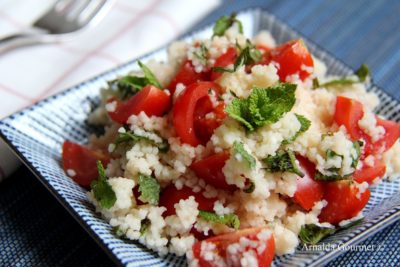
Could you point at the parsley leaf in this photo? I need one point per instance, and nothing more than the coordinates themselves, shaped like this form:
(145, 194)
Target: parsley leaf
(224, 23)
(149, 189)
(311, 234)
(283, 161)
(102, 190)
(362, 73)
(305, 124)
(248, 55)
(238, 148)
(129, 136)
(230, 220)
(263, 106)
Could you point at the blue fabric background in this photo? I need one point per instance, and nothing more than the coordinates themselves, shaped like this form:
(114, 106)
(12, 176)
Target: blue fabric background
(35, 230)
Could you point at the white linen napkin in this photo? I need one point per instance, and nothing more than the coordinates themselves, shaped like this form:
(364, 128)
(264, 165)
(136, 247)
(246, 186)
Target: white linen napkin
(130, 29)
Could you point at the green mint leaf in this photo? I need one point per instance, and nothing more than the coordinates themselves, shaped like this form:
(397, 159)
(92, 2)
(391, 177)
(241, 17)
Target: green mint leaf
(311, 234)
(129, 136)
(118, 231)
(238, 149)
(352, 223)
(283, 161)
(149, 189)
(144, 227)
(248, 55)
(264, 106)
(315, 83)
(230, 220)
(335, 176)
(202, 55)
(305, 124)
(224, 23)
(127, 86)
(362, 72)
(151, 79)
(102, 190)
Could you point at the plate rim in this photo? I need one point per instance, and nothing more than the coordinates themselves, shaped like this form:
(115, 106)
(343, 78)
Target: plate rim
(387, 218)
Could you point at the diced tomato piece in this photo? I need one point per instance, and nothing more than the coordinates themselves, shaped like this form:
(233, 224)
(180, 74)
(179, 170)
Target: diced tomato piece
(171, 195)
(293, 58)
(210, 170)
(308, 190)
(223, 61)
(232, 257)
(370, 173)
(151, 100)
(187, 75)
(392, 134)
(82, 161)
(207, 119)
(344, 201)
(348, 112)
(184, 110)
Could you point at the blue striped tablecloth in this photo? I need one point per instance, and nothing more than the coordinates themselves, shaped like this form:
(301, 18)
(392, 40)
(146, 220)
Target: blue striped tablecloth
(36, 231)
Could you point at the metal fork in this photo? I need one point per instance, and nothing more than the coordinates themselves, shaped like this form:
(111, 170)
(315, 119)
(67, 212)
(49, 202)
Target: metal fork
(59, 23)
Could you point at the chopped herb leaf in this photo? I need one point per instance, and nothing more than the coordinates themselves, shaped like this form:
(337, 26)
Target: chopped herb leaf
(118, 231)
(144, 227)
(263, 106)
(304, 125)
(238, 149)
(102, 190)
(315, 83)
(357, 146)
(250, 188)
(248, 55)
(335, 176)
(224, 23)
(129, 85)
(283, 161)
(311, 234)
(362, 73)
(230, 220)
(149, 189)
(151, 79)
(129, 136)
(202, 56)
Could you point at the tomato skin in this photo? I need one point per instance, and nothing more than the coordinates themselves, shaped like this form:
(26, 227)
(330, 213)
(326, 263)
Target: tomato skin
(348, 112)
(308, 190)
(223, 241)
(343, 203)
(150, 100)
(184, 110)
(210, 170)
(204, 126)
(369, 174)
(171, 195)
(392, 134)
(223, 61)
(292, 57)
(186, 75)
(82, 160)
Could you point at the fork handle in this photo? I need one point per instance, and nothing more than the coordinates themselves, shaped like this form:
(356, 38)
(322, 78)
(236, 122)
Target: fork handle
(17, 40)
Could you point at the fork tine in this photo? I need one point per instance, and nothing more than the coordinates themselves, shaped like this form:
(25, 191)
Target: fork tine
(92, 11)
